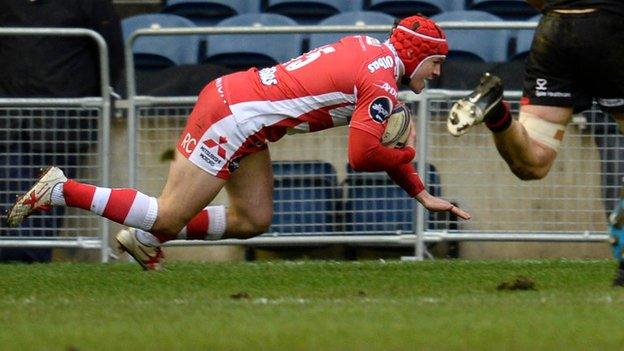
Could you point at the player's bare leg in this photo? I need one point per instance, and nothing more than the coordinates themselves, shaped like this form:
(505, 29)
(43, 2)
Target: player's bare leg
(529, 144)
(250, 193)
(529, 158)
(187, 191)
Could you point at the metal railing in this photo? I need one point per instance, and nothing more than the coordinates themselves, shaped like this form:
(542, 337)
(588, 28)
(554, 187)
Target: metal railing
(56, 121)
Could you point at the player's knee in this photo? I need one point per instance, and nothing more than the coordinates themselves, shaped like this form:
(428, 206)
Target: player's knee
(261, 222)
(529, 173)
(547, 133)
(256, 223)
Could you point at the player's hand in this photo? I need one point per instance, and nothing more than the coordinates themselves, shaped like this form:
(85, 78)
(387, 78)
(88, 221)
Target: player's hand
(436, 204)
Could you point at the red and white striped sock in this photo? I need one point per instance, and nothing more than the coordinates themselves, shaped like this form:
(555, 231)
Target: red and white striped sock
(209, 224)
(125, 206)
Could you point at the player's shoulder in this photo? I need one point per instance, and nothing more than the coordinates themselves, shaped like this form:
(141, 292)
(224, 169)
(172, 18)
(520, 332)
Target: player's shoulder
(374, 55)
(367, 46)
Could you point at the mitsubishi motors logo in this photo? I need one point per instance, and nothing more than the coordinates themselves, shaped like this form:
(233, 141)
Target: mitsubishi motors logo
(220, 150)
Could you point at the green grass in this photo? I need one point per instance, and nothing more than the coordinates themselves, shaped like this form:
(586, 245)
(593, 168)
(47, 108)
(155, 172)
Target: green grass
(310, 305)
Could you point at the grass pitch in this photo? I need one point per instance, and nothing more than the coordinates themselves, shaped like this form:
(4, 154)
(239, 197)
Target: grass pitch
(311, 305)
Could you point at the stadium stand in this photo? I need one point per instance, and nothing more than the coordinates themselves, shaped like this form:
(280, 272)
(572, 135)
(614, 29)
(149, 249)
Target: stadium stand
(305, 197)
(158, 52)
(210, 12)
(351, 18)
(240, 51)
(510, 10)
(311, 11)
(484, 44)
(404, 8)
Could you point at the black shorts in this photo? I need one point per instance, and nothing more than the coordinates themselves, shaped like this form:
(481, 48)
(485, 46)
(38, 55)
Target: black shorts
(575, 58)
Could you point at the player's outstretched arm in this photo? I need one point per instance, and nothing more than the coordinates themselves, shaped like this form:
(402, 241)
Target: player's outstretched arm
(366, 154)
(436, 204)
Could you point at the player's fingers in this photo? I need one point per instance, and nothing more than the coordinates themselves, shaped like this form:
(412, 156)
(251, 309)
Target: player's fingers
(460, 213)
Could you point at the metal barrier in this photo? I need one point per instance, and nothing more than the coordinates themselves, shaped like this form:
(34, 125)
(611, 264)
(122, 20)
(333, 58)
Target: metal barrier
(473, 175)
(72, 133)
(570, 204)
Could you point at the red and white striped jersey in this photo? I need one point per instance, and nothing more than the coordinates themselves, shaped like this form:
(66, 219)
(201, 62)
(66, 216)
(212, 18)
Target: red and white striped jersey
(352, 81)
(349, 82)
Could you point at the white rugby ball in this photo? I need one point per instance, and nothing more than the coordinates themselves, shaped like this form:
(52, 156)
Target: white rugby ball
(397, 128)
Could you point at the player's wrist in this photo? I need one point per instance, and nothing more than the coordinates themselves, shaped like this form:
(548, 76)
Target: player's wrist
(422, 196)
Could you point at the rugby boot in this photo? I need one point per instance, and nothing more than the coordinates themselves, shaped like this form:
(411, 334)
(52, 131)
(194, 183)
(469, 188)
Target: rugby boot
(476, 107)
(150, 257)
(38, 198)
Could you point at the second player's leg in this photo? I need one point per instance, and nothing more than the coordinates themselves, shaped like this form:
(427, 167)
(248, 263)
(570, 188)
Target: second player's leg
(527, 157)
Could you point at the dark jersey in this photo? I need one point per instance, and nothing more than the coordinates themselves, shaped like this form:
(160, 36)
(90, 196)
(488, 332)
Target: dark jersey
(574, 58)
(616, 6)
(47, 66)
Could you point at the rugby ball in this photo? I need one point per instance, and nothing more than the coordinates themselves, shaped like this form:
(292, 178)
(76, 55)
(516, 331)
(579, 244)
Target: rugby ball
(397, 128)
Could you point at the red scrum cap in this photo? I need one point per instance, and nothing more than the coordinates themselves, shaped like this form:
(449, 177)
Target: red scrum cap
(417, 38)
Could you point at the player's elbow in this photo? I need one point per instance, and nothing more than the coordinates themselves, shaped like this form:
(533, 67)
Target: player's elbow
(358, 164)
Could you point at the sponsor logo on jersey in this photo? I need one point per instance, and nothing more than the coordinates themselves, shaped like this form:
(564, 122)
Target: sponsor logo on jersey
(219, 85)
(380, 109)
(207, 153)
(541, 89)
(382, 62)
(267, 76)
(388, 88)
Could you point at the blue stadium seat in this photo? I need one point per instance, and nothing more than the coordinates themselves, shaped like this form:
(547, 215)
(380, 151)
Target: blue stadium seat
(245, 50)
(524, 38)
(311, 11)
(157, 52)
(404, 8)
(351, 18)
(305, 197)
(511, 10)
(489, 45)
(376, 205)
(209, 12)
